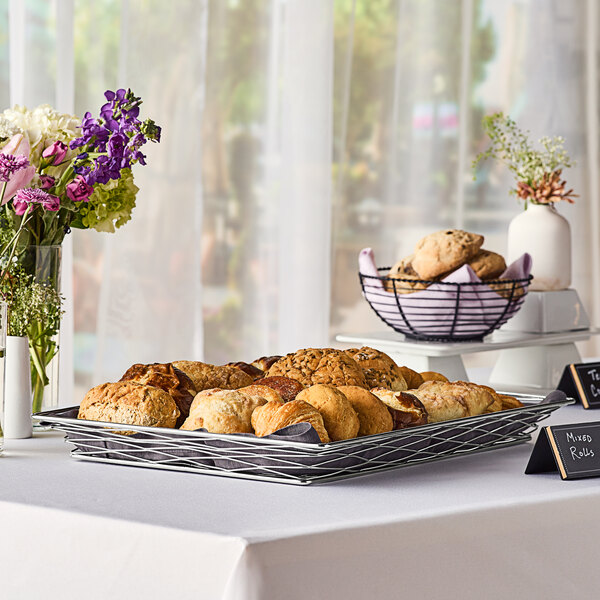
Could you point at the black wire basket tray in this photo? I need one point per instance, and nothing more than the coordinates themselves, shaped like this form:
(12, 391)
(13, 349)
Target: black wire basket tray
(443, 311)
(284, 460)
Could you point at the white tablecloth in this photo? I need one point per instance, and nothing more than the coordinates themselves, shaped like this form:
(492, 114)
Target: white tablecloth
(470, 528)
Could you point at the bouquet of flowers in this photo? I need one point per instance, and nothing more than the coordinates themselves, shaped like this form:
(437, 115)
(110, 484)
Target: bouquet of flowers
(536, 170)
(58, 172)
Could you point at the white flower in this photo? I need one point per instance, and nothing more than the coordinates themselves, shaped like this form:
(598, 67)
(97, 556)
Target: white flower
(42, 125)
(7, 129)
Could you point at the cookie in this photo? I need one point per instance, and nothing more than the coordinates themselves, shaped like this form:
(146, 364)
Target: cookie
(487, 264)
(404, 284)
(507, 289)
(444, 251)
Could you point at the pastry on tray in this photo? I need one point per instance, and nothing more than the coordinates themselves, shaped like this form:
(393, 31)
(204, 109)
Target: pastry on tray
(413, 378)
(129, 402)
(206, 376)
(373, 415)
(341, 420)
(312, 366)
(432, 376)
(249, 369)
(262, 391)
(222, 411)
(168, 378)
(405, 408)
(379, 369)
(445, 401)
(287, 388)
(264, 363)
(271, 417)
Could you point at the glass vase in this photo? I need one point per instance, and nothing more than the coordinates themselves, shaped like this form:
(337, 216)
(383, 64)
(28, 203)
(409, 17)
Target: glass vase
(43, 263)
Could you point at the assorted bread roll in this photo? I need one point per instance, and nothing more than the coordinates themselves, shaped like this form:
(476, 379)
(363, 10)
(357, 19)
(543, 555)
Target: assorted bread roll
(439, 254)
(342, 394)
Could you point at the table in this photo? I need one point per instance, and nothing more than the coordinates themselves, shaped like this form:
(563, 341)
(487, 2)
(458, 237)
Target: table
(473, 527)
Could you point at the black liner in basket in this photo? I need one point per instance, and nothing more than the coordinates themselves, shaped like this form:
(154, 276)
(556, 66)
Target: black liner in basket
(444, 311)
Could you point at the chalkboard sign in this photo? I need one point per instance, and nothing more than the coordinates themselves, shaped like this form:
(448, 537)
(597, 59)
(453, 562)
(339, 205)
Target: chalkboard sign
(582, 381)
(573, 450)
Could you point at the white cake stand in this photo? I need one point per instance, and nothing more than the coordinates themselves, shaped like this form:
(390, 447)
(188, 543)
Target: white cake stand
(530, 361)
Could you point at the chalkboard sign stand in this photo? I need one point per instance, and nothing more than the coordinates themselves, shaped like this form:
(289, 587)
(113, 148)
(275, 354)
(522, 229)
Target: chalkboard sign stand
(572, 450)
(582, 381)
(542, 459)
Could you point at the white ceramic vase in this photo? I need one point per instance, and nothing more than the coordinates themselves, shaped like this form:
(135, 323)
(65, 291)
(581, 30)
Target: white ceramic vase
(18, 397)
(546, 235)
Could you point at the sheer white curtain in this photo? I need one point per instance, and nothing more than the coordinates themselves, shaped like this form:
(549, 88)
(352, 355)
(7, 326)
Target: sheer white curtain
(296, 132)
(422, 74)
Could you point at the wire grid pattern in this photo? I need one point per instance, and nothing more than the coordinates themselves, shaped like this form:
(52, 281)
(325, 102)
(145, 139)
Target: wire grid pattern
(444, 311)
(280, 460)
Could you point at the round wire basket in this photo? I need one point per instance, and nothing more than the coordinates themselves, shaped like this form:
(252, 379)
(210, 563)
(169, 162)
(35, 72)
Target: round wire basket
(443, 311)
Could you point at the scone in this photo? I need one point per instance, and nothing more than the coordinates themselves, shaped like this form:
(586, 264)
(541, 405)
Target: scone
(412, 378)
(373, 415)
(379, 369)
(168, 378)
(262, 391)
(288, 388)
(445, 401)
(487, 264)
(206, 376)
(444, 251)
(432, 376)
(129, 402)
(341, 420)
(222, 411)
(405, 408)
(319, 365)
(273, 416)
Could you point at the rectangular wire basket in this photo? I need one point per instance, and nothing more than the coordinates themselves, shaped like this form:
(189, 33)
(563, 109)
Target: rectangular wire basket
(283, 461)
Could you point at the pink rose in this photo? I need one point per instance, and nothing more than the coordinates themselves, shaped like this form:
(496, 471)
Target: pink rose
(19, 146)
(46, 181)
(58, 150)
(78, 190)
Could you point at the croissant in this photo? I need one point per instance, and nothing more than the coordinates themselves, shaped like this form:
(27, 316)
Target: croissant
(274, 415)
(446, 401)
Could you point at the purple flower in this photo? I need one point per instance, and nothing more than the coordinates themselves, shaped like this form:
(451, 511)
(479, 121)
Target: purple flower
(78, 190)
(116, 144)
(58, 150)
(46, 181)
(24, 197)
(117, 135)
(11, 164)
